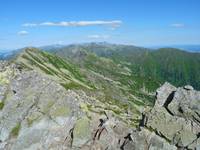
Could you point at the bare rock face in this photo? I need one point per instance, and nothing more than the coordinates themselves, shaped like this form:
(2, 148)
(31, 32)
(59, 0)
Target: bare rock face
(39, 113)
(186, 103)
(163, 93)
(175, 116)
(188, 87)
(36, 108)
(36, 112)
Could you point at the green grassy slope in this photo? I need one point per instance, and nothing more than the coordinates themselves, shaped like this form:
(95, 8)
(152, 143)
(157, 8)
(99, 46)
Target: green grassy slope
(111, 84)
(55, 67)
(150, 68)
(167, 64)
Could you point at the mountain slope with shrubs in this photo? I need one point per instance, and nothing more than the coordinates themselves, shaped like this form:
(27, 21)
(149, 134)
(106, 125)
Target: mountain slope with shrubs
(165, 64)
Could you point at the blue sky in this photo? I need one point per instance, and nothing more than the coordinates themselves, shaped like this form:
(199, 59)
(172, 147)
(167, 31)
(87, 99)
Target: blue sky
(137, 22)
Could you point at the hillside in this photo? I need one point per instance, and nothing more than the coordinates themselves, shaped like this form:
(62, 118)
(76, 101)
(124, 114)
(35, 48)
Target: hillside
(157, 66)
(114, 89)
(40, 109)
(53, 66)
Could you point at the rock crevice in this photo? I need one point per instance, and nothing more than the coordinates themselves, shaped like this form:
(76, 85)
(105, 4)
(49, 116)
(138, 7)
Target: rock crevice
(175, 116)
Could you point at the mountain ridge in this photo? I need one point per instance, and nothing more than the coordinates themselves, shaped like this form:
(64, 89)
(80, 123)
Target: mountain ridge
(38, 112)
(143, 62)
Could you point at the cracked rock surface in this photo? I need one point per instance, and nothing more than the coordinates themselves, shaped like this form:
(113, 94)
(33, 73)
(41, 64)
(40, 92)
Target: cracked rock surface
(177, 118)
(37, 113)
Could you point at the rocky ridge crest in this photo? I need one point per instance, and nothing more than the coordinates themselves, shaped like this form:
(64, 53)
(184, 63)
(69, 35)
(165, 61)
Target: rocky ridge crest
(38, 113)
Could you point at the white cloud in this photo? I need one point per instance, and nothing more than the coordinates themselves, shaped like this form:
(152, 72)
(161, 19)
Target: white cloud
(29, 25)
(178, 25)
(113, 23)
(99, 36)
(22, 33)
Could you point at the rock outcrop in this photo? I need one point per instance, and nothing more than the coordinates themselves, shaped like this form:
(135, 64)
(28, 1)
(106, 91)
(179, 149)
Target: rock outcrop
(36, 112)
(175, 116)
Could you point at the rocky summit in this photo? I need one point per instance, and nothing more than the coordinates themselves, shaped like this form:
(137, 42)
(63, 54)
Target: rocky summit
(48, 103)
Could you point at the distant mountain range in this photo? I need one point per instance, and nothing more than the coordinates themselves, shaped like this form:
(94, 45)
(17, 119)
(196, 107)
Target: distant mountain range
(6, 54)
(189, 47)
(149, 68)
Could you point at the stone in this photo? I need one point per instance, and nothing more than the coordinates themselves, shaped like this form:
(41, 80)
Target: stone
(162, 93)
(188, 87)
(177, 118)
